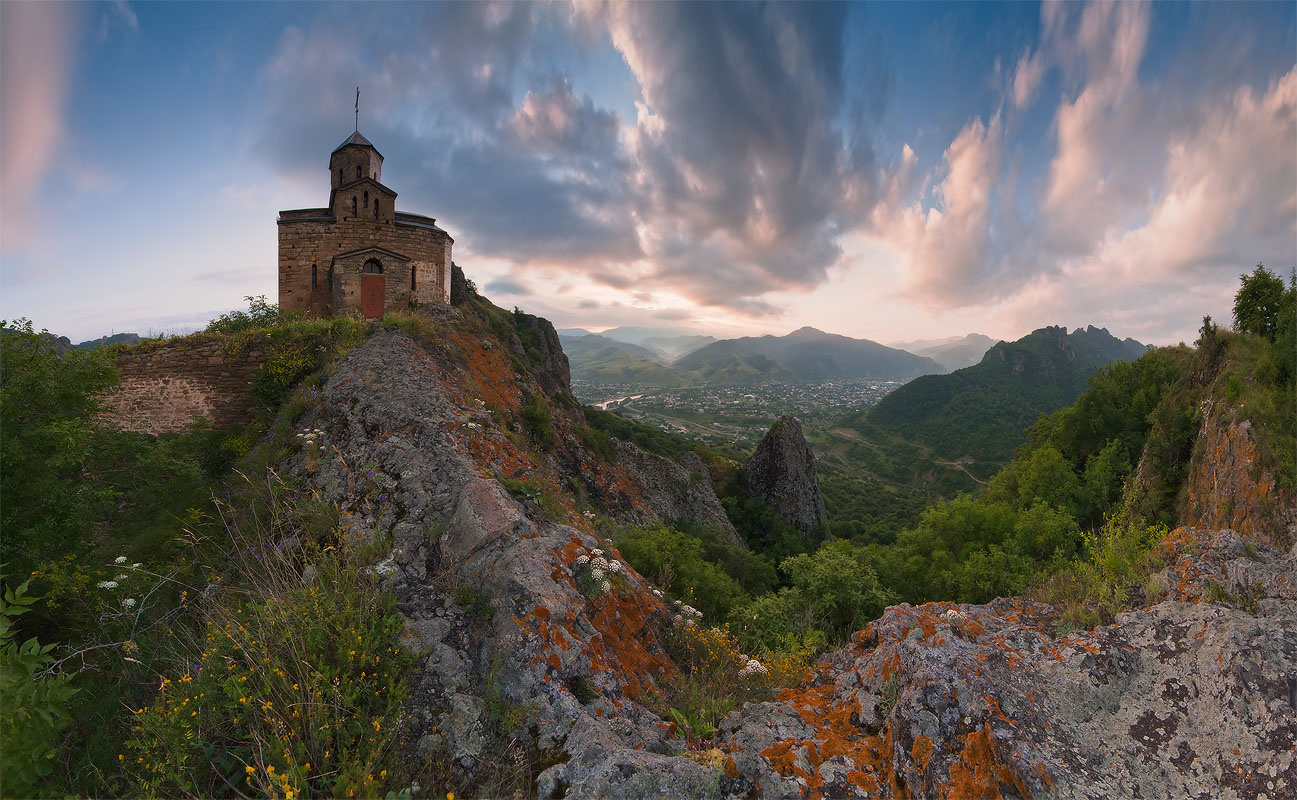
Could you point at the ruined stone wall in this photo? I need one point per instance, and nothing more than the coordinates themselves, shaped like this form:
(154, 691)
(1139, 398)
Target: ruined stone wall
(311, 238)
(165, 388)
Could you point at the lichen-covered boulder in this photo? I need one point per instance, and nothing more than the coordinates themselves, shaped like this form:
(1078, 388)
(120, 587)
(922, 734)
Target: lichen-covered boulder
(942, 700)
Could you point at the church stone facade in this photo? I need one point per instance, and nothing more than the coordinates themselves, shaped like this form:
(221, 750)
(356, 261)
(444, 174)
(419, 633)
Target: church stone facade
(360, 256)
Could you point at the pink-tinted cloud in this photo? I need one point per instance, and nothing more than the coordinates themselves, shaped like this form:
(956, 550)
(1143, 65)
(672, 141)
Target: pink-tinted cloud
(35, 60)
(946, 246)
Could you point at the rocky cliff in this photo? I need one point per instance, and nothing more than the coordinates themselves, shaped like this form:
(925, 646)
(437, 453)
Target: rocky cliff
(781, 472)
(437, 444)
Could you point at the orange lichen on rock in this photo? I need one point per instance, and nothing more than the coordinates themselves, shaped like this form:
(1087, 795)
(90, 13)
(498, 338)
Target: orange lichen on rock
(627, 647)
(870, 756)
(921, 752)
(979, 773)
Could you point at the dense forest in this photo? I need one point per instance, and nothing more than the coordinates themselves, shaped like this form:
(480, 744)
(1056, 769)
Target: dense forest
(113, 541)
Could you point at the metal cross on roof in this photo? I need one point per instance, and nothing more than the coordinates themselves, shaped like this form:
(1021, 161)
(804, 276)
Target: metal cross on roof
(357, 109)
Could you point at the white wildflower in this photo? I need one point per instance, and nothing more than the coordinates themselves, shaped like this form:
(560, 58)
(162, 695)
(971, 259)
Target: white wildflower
(606, 586)
(128, 603)
(596, 574)
(119, 560)
(677, 602)
(121, 577)
(614, 567)
(657, 592)
(136, 565)
(596, 552)
(690, 621)
(582, 560)
(599, 563)
(677, 619)
(110, 585)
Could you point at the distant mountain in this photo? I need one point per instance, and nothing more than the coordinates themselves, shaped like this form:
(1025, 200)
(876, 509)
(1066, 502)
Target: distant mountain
(981, 411)
(636, 334)
(675, 347)
(728, 362)
(955, 352)
(116, 338)
(598, 359)
(807, 355)
(572, 333)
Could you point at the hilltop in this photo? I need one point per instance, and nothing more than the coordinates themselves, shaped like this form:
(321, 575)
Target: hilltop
(806, 355)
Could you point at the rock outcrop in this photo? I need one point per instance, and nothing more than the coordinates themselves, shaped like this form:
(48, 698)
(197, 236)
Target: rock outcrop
(675, 492)
(1228, 486)
(944, 700)
(782, 472)
(410, 450)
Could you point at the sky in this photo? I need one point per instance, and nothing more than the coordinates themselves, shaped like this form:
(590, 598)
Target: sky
(889, 171)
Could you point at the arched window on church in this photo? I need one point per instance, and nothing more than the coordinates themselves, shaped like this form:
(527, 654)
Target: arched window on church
(314, 277)
(358, 173)
(413, 271)
(366, 199)
(375, 208)
(353, 206)
(372, 267)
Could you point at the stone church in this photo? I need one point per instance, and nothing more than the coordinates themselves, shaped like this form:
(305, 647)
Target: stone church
(360, 256)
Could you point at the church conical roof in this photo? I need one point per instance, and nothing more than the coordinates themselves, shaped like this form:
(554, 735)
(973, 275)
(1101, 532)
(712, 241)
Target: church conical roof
(356, 138)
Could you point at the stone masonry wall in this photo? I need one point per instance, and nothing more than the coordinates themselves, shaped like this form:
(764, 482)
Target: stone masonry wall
(166, 388)
(314, 241)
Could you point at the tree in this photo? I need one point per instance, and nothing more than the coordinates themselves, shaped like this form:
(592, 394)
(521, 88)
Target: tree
(48, 404)
(1258, 303)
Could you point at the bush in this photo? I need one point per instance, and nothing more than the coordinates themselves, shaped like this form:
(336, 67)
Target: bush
(674, 560)
(294, 682)
(260, 314)
(33, 705)
(540, 426)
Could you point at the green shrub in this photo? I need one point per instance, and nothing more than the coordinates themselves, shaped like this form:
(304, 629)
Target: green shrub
(260, 314)
(294, 682)
(540, 425)
(33, 706)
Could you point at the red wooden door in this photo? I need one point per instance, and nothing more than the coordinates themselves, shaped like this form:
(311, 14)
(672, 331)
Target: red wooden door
(371, 296)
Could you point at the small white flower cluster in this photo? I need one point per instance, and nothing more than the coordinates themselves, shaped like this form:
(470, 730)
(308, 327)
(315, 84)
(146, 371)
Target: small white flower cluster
(753, 667)
(953, 616)
(600, 568)
(473, 426)
(686, 615)
(119, 560)
(589, 515)
(657, 592)
(310, 434)
(128, 603)
(109, 585)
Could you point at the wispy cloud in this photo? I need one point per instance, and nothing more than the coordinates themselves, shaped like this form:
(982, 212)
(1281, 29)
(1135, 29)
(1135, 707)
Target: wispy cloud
(36, 46)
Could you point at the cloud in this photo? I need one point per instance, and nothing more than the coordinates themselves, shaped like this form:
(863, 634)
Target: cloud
(36, 41)
(554, 119)
(749, 150)
(1228, 193)
(542, 182)
(506, 286)
(948, 245)
(1027, 78)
